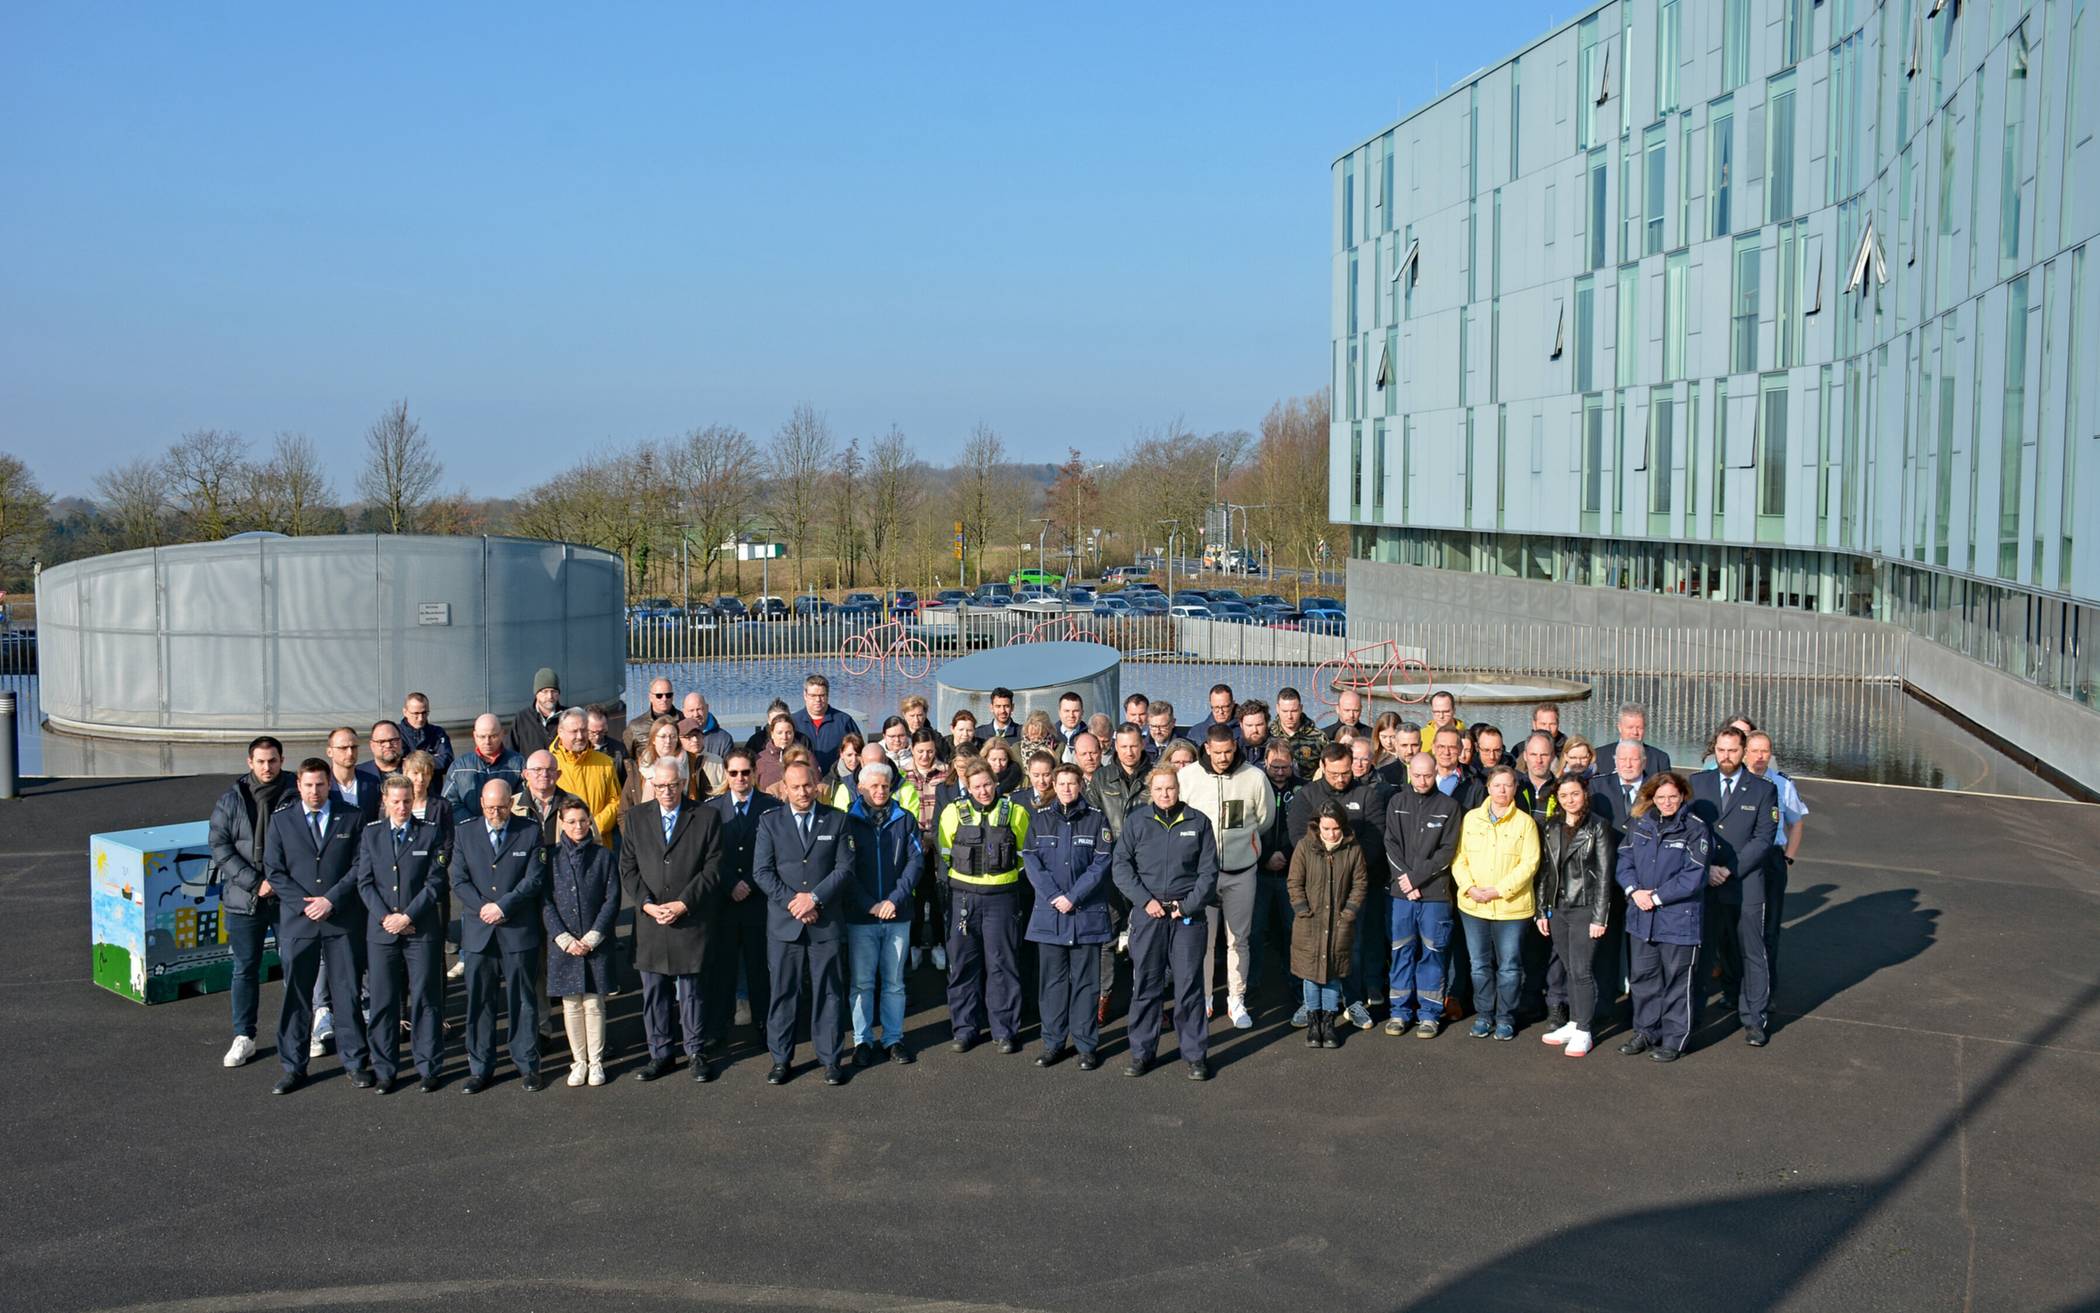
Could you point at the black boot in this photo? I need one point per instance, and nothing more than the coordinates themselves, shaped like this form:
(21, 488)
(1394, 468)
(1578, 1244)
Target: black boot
(1312, 1029)
(1330, 1037)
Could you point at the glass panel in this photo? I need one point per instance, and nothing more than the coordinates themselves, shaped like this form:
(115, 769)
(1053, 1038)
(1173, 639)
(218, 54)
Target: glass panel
(1779, 153)
(1586, 71)
(1666, 58)
(1377, 469)
(1662, 418)
(2013, 435)
(2010, 209)
(1652, 207)
(1349, 201)
(1771, 497)
(2073, 429)
(1628, 353)
(1720, 150)
(1735, 43)
(1585, 334)
(1743, 329)
(1676, 269)
(1598, 197)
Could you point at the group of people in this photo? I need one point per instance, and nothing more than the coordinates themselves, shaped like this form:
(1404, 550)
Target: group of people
(805, 869)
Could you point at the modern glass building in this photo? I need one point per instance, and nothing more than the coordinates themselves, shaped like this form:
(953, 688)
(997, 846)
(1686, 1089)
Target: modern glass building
(1780, 302)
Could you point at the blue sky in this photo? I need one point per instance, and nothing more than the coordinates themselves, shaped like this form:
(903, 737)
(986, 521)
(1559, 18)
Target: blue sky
(556, 228)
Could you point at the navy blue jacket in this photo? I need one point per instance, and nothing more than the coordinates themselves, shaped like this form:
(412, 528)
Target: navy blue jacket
(432, 739)
(1670, 858)
(1742, 838)
(783, 866)
(825, 741)
(512, 876)
(369, 782)
(1608, 799)
(987, 730)
(1068, 854)
(888, 858)
(583, 894)
(297, 870)
(739, 835)
(411, 881)
(1173, 858)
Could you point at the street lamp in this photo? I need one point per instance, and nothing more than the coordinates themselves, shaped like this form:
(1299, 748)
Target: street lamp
(1172, 533)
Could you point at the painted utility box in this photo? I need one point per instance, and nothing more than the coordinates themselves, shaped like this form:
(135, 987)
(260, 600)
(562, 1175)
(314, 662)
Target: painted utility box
(155, 917)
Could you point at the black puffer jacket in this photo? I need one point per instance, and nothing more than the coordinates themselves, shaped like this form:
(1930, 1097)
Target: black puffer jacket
(1577, 865)
(237, 843)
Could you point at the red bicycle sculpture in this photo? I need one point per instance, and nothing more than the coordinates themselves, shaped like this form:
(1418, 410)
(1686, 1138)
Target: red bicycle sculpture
(1354, 670)
(1059, 629)
(863, 652)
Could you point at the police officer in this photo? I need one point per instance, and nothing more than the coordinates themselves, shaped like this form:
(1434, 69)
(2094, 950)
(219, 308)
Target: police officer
(740, 928)
(307, 859)
(802, 859)
(1166, 864)
(1742, 810)
(1067, 858)
(499, 871)
(400, 871)
(1786, 845)
(1664, 866)
(980, 836)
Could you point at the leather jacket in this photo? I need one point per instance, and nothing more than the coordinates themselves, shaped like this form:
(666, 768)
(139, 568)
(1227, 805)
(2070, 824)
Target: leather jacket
(1577, 867)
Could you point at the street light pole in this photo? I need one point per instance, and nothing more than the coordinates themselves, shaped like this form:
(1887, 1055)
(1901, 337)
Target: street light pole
(1172, 531)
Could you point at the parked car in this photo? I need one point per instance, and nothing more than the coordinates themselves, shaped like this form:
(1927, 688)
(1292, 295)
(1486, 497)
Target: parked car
(731, 608)
(1032, 593)
(1268, 599)
(1193, 595)
(1276, 616)
(1189, 611)
(1324, 620)
(1123, 574)
(809, 606)
(904, 602)
(768, 607)
(1329, 602)
(1238, 613)
(1113, 606)
(1044, 578)
(860, 604)
(1080, 596)
(992, 594)
(651, 608)
(1147, 603)
(951, 597)
(1225, 595)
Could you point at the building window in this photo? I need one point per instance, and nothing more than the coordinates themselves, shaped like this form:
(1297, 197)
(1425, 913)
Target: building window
(1736, 34)
(1798, 20)
(1585, 334)
(1349, 201)
(1779, 123)
(1742, 354)
(1588, 53)
(1377, 469)
(1356, 470)
(1385, 186)
(1771, 447)
(1720, 154)
(1592, 461)
(1599, 197)
(1628, 353)
(1662, 422)
(1676, 269)
(1666, 58)
(2013, 432)
(1355, 369)
(1787, 274)
(1652, 209)
(1516, 113)
(1353, 309)
(1720, 498)
(2010, 209)
(2073, 428)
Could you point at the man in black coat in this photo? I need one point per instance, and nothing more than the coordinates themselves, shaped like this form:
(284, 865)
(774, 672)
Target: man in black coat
(803, 861)
(1741, 807)
(1420, 841)
(532, 729)
(240, 822)
(740, 929)
(670, 868)
(1614, 789)
(307, 860)
(499, 872)
(400, 873)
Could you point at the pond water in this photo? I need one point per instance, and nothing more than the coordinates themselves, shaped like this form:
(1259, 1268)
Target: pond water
(1850, 731)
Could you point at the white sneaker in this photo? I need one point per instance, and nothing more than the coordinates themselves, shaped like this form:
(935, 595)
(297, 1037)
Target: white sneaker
(458, 971)
(1237, 1009)
(1360, 1016)
(1302, 1017)
(918, 958)
(1560, 1036)
(578, 1073)
(743, 1012)
(1123, 942)
(1577, 1045)
(242, 1050)
(597, 1076)
(324, 1030)
(940, 958)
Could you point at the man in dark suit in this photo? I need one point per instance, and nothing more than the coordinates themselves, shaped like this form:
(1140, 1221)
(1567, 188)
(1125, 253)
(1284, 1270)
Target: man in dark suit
(670, 867)
(388, 749)
(1633, 728)
(307, 863)
(499, 871)
(1613, 789)
(803, 861)
(739, 937)
(1002, 724)
(400, 873)
(1742, 809)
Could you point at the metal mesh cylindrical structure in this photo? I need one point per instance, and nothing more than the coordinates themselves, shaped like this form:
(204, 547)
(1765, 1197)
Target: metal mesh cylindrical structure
(264, 633)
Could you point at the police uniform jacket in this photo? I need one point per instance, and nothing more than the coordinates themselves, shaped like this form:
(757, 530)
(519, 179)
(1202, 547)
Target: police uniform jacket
(1170, 856)
(409, 879)
(1668, 857)
(686, 869)
(297, 870)
(888, 857)
(783, 864)
(512, 874)
(1421, 839)
(1067, 855)
(1744, 833)
(738, 835)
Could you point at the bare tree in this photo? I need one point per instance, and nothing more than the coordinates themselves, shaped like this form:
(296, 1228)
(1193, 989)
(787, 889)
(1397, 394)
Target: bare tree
(846, 513)
(208, 476)
(1288, 478)
(801, 457)
(894, 496)
(401, 470)
(25, 513)
(711, 471)
(289, 492)
(134, 502)
(980, 494)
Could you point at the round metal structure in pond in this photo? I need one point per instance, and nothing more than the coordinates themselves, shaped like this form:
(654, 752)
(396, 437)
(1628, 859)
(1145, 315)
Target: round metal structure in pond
(1038, 674)
(268, 634)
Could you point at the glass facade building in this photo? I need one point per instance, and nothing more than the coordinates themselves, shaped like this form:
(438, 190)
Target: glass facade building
(1781, 302)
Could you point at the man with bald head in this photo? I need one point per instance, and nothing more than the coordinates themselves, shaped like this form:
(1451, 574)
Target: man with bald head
(584, 772)
(716, 740)
(540, 800)
(490, 759)
(499, 872)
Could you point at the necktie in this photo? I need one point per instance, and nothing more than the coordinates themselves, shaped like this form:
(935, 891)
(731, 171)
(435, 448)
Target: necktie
(313, 822)
(1727, 790)
(496, 841)
(743, 809)
(670, 819)
(400, 839)
(1629, 798)
(802, 820)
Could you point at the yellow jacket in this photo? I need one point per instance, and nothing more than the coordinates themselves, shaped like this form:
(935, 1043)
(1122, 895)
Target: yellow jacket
(591, 776)
(1500, 855)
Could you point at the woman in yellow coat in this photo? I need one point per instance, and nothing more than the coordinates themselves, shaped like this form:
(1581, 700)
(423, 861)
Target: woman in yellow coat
(1498, 853)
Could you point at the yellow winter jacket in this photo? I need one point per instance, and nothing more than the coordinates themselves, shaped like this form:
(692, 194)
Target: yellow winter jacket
(591, 776)
(1500, 855)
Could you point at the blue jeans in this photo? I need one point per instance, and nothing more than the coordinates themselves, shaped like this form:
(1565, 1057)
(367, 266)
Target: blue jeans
(877, 952)
(1496, 948)
(1421, 944)
(1321, 998)
(245, 935)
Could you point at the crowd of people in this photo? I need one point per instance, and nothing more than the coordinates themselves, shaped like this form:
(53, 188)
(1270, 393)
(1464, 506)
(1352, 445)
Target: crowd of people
(804, 869)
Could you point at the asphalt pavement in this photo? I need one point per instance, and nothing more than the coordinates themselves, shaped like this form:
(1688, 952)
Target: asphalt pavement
(1920, 1134)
